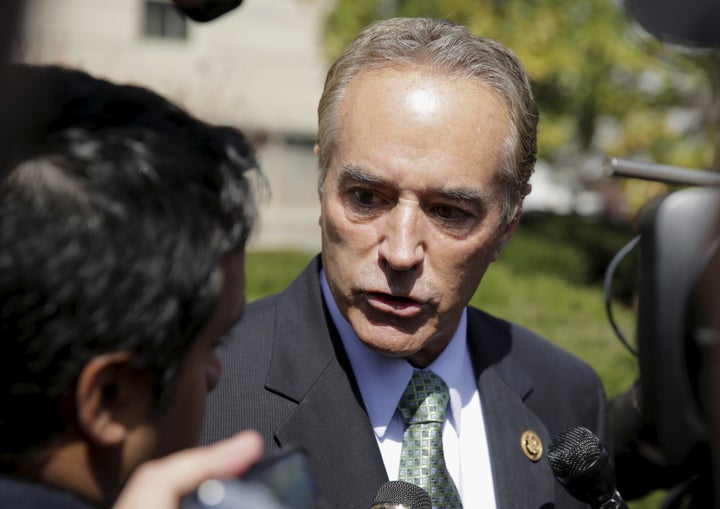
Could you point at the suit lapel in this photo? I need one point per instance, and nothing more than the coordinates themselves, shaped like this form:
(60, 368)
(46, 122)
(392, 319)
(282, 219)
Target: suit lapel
(503, 386)
(310, 367)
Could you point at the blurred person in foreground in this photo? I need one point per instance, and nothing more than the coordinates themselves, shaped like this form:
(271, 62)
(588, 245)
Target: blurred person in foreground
(123, 222)
(427, 139)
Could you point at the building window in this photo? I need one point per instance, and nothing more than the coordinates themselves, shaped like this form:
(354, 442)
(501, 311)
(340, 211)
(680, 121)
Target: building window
(164, 20)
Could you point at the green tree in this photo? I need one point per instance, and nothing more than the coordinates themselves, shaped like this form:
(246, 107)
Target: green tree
(603, 86)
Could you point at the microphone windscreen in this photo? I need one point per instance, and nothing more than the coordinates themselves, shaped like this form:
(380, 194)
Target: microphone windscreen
(401, 494)
(573, 452)
(581, 464)
(206, 10)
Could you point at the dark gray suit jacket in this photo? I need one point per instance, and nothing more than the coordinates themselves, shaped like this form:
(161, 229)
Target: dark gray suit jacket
(286, 374)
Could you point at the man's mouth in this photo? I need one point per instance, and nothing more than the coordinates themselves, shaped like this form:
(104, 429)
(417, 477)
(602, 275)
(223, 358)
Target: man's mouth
(396, 305)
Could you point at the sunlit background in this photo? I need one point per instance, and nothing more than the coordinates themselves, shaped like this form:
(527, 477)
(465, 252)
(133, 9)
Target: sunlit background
(604, 86)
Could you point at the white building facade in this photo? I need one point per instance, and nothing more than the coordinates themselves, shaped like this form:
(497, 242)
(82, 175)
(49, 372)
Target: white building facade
(259, 67)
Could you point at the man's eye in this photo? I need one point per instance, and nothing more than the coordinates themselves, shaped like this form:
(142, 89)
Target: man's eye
(365, 197)
(449, 213)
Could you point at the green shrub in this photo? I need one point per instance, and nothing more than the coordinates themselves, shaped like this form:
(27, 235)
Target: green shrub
(575, 249)
(268, 272)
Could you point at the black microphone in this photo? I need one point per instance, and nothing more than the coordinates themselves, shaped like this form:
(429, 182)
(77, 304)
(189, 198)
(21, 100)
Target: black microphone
(401, 495)
(205, 10)
(581, 464)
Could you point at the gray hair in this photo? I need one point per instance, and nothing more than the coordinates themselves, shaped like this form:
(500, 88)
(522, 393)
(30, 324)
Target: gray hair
(453, 50)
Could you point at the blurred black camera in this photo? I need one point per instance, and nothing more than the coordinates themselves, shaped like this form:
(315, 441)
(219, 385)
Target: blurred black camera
(661, 433)
(283, 481)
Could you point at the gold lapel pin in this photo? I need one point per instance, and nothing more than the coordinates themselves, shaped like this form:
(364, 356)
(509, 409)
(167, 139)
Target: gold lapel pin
(531, 445)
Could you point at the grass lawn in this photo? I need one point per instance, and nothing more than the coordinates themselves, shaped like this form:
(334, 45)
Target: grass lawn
(542, 281)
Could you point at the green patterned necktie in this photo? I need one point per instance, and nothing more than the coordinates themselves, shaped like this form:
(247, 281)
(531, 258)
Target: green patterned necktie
(422, 462)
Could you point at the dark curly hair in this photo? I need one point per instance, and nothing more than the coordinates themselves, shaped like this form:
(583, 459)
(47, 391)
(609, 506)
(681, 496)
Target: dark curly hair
(114, 215)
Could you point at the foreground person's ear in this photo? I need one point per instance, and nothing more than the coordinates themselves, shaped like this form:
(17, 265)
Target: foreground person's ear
(107, 399)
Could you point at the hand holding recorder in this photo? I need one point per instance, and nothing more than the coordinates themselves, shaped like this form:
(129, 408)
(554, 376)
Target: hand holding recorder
(182, 472)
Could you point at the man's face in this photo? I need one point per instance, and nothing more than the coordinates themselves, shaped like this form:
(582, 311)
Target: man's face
(411, 206)
(179, 426)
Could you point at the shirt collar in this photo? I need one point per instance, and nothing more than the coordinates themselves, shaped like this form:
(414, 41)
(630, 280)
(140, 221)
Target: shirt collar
(383, 379)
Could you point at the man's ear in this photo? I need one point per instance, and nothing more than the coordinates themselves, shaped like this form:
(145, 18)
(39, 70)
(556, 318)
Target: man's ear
(107, 399)
(316, 149)
(504, 237)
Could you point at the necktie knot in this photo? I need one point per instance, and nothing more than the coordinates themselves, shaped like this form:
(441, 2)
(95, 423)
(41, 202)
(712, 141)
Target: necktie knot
(425, 399)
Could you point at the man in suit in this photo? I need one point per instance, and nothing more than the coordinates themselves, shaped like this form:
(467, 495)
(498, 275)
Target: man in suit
(427, 139)
(123, 222)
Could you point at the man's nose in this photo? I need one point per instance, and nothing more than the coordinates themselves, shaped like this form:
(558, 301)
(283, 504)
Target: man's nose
(403, 240)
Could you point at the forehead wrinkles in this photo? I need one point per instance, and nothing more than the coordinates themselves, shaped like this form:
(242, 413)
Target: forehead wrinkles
(382, 132)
